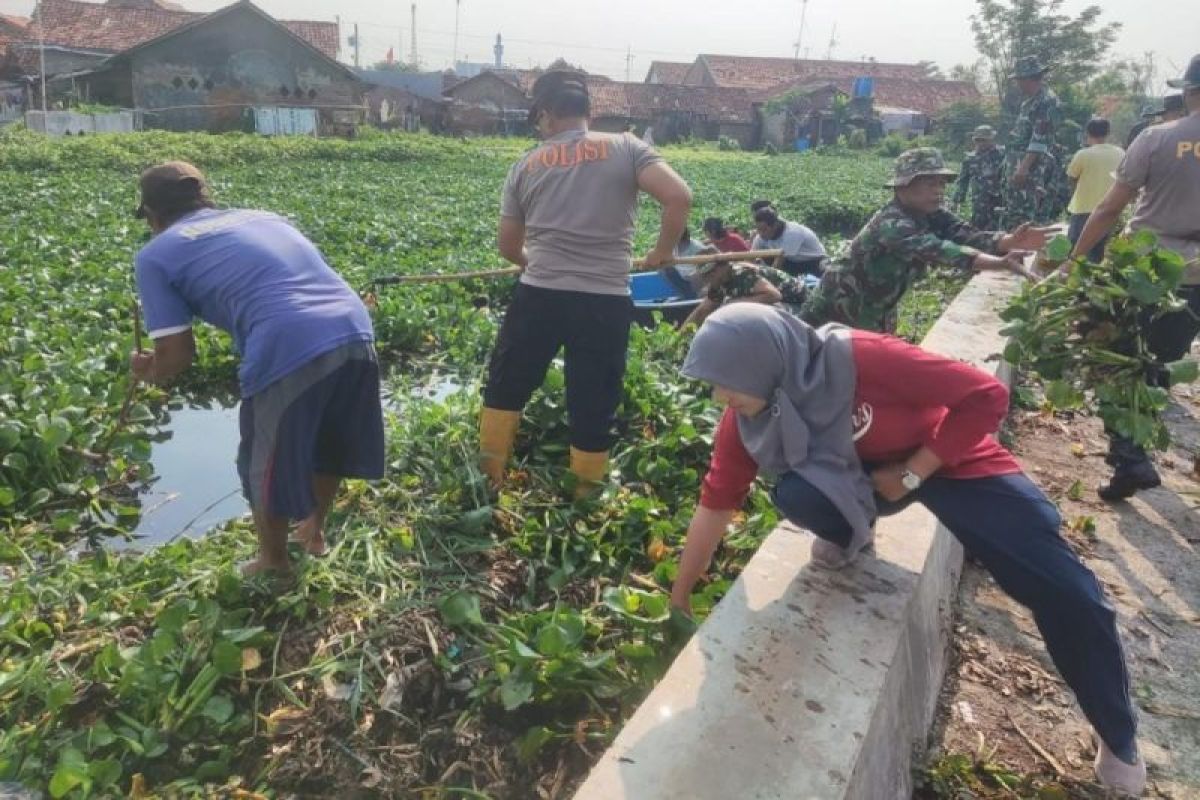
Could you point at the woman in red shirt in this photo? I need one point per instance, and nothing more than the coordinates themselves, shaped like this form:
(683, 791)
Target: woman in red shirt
(853, 424)
(722, 238)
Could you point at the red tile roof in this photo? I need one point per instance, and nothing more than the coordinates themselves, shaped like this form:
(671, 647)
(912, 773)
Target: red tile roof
(120, 24)
(759, 73)
(925, 95)
(645, 100)
(12, 29)
(668, 71)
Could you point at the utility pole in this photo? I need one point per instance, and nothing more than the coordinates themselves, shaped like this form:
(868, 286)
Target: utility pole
(628, 61)
(800, 36)
(415, 61)
(42, 57)
(357, 62)
(457, 8)
(832, 43)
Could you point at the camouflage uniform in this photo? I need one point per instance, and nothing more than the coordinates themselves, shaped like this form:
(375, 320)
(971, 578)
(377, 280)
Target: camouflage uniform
(1034, 132)
(891, 252)
(1056, 183)
(983, 175)
(741, 285)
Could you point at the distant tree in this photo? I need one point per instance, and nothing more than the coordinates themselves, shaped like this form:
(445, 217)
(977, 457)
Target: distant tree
(1006, 30)
(954, 125)
(932, 70)
(972, 73)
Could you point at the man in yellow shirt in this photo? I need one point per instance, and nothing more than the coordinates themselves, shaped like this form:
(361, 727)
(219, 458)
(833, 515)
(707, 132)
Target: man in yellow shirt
(1091, 172)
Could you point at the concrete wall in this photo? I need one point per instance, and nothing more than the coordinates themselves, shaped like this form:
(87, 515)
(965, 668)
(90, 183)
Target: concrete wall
(206, 78)
(806, 683)
(68, 123)
(487, 105)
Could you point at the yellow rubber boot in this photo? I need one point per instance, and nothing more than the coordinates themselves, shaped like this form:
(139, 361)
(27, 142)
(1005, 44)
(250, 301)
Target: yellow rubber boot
(590, 469)
(497, 430)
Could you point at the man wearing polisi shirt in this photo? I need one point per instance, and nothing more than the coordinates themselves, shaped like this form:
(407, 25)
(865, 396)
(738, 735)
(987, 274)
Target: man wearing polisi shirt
(567, 217)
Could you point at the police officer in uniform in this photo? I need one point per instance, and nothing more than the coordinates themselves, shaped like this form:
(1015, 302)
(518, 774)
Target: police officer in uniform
(1160, 176)
(567, 216)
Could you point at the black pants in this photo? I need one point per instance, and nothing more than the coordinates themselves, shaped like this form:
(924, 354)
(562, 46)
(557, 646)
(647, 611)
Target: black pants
(1075, 229)
(593, 332)
(1169, 338)
(811, 266)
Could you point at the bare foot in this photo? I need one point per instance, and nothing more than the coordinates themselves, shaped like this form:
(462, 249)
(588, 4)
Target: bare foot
(310, 536)
(259, 567)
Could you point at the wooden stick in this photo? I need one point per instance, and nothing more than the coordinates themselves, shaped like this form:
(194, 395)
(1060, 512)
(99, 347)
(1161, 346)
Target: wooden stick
(749, 255)
(1037, 748)
(449, 277)
(445, 277)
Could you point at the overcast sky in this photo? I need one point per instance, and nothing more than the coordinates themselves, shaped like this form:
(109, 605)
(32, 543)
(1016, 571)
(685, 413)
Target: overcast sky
(599, 35)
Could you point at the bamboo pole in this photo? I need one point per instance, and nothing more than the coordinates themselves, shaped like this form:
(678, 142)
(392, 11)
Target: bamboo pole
(445, 277)
(448, 277)
(749, 255)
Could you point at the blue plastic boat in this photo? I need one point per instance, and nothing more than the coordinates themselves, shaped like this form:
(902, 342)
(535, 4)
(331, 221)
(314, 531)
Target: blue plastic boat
(652, 292)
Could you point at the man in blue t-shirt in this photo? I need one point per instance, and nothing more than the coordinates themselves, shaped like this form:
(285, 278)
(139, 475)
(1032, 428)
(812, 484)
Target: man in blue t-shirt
(309, 377)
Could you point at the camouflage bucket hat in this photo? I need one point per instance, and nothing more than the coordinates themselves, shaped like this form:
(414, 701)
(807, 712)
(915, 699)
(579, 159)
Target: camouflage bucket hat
(1191, 77)
(709, 267)
(1152, 110)
(915, 163)
(984, 132)
(1029, 67)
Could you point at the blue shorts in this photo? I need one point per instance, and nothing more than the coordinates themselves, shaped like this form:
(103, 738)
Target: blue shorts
(324, 418)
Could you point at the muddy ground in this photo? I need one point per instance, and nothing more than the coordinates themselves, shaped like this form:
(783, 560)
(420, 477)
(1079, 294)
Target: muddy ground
(1005, 716)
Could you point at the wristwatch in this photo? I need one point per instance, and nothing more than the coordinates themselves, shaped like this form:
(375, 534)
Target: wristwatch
(910, 480)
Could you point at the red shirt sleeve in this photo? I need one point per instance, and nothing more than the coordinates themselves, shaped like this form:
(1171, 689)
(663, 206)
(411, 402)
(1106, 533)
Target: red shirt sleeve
(976, 402)
(737, 244)
(731, 471)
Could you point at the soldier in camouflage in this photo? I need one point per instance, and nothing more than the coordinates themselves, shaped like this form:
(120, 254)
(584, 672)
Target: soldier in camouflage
(1056, 184)
(724, 282)
(1032, 166)
(983, 175)
(903, 239)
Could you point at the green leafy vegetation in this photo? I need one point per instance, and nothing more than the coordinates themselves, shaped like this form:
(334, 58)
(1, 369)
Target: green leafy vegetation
(451, 644)
(1085, 336)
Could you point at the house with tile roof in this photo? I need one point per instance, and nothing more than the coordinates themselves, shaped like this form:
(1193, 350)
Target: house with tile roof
(906, 87)
(78, 35)
(12, 29)
(219, 71)
(760, 73)
(497, 102)
(668, 72)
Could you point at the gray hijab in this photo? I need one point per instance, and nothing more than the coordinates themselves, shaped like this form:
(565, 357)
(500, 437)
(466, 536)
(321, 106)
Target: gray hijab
(808, 379)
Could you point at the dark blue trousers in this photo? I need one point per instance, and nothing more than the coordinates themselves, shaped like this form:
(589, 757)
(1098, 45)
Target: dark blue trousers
(1013, 529)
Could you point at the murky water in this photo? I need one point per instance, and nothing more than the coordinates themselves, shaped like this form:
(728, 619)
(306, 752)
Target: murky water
(197, 487)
